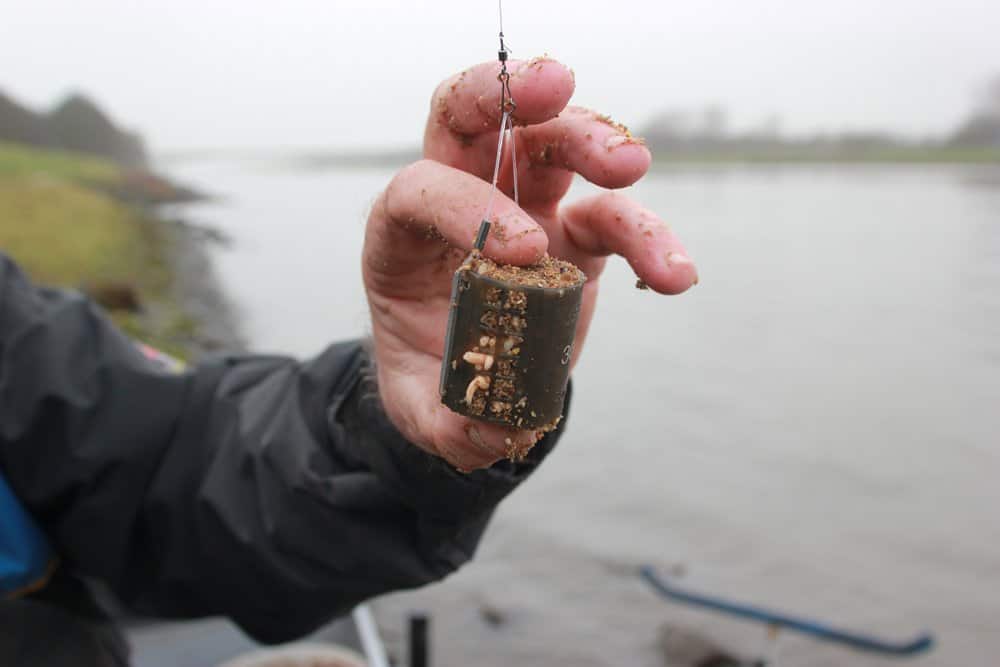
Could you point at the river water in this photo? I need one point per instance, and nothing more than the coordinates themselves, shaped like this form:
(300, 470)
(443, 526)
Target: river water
(814, 427)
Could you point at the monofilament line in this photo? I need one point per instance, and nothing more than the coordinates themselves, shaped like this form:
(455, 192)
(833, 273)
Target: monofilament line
(496, 166)
(507, 106)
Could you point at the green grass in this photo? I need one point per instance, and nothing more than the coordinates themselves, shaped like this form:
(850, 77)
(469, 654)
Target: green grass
(64, 230)
(17, 160)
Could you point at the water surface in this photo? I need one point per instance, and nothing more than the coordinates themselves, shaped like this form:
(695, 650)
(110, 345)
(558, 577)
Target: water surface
(813, 427)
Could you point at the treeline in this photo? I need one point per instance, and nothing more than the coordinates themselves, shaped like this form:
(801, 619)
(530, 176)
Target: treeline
(75, 124)
(707, 133)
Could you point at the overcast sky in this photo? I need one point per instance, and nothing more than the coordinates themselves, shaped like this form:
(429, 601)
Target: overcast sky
(198, 73)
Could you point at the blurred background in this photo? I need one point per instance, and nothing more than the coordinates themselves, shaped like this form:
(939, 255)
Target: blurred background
(813, 427)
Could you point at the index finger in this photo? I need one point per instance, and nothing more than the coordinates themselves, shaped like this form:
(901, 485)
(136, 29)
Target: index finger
(469, 103)
(428, 199)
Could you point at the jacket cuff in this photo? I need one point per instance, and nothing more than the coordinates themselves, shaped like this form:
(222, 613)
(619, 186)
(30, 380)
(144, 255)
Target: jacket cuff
(425, 482)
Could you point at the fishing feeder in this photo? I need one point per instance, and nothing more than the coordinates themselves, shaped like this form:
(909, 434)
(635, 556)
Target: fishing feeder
(508, 346)
(510, 332)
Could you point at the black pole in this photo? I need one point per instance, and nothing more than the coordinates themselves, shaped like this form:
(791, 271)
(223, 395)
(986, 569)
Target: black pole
(419, 641)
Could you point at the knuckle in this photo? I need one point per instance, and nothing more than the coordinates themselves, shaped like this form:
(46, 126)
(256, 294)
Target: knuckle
(404, 175)
(379, 209)
(440, 91)
(395, 194)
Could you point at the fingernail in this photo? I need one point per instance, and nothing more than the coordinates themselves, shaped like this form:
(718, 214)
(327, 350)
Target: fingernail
(677, 260)
(614, 141)
(537, 62)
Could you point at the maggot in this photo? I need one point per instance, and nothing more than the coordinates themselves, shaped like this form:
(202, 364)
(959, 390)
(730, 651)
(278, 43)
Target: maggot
(480, 360)
(478, 382)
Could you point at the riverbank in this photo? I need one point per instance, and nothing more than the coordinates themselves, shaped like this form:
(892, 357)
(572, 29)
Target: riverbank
(80, 222)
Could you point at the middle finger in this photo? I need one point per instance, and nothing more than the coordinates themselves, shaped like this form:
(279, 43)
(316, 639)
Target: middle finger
(578, 141)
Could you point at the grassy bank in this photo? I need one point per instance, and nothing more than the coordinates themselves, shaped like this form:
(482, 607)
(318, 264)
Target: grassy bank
(64, 219)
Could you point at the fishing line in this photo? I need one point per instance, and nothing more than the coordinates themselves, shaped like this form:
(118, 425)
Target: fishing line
(507, 107)
(496, 166)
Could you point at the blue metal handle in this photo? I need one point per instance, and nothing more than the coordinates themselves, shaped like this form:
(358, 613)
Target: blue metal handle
(920, 644)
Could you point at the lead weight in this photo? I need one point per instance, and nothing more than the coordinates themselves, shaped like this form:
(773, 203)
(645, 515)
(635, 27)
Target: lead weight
(510, 341)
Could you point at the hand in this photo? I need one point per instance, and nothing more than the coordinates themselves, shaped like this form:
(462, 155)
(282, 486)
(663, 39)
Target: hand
(425, 222)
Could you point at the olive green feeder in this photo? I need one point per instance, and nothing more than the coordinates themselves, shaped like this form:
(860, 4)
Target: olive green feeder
(508, 347)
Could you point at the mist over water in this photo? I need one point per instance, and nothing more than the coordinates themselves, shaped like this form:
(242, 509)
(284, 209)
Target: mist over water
(811, 428)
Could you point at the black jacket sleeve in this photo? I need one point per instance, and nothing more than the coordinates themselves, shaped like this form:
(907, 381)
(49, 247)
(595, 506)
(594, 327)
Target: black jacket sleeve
(268, 490)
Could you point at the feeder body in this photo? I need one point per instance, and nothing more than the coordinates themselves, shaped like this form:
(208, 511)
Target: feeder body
(508, 349)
